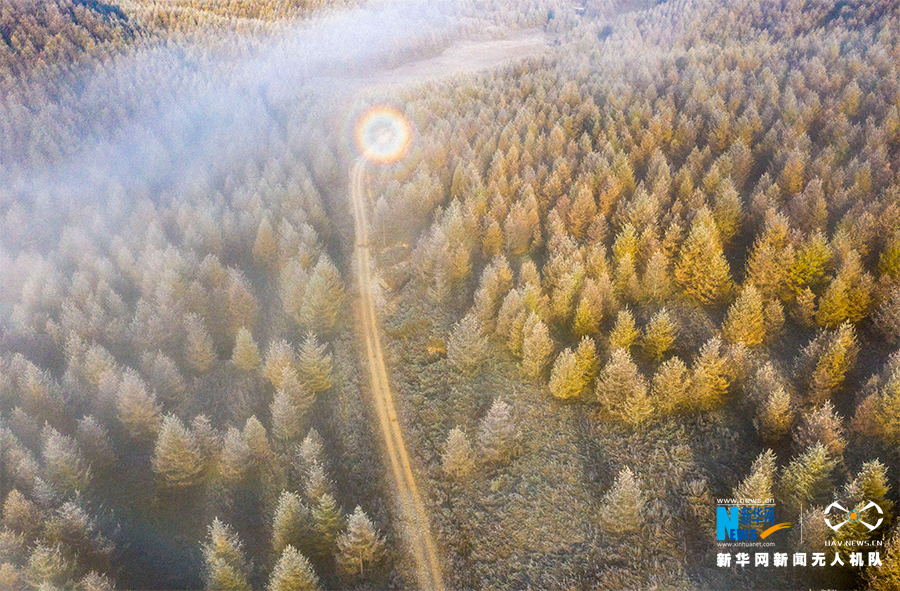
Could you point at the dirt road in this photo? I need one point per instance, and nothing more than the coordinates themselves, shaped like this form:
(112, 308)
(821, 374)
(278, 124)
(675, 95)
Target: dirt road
(414, 519)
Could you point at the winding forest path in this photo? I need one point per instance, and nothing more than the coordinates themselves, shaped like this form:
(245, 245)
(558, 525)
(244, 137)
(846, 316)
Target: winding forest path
(413, 518)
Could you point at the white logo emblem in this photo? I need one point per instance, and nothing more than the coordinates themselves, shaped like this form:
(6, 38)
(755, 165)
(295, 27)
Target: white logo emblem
(852, 516)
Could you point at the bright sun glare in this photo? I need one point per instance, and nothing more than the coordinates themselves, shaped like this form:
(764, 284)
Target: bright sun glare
(383, 135)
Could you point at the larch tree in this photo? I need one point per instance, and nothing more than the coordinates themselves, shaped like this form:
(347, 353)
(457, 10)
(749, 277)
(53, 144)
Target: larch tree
(537, 347)
(497, 433)
(496, 281)
(623, 504)
(457, 458)
(745, 321)
(323, 298)
(821, 425)
(759, 484)
(314, 365)
(511, 321)
(849, 296)
(807, 478)
(659, 336)
(622, 390)
(671, 387)
(265, 247)
(468, 345)
(199, 352)
(589, 310)
(327, 523)
(177, 458)
(625, 333)
(656, 283)
(360, 548)
(287, 416)
(292, 524)
(836, 360)
(701, 270)
(293, 572)
(64, 466)
(774, 416)
(886, 576)
(225, 565)
(710, 377)
(279, 356)
(136, 408)
(245, 354)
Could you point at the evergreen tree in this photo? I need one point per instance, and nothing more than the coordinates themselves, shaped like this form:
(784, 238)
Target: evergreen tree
(573, 371)
(327, 522)
(293, 572)
(287, 416)
(468, 345)
(656, 284)
(237, 459)
(807, 478)
(511, 321)
(457, 459)
(176, 457)
(225, 566)
(810, 267)
(659, 336)
(199, 352)
(265, 248)
(316, 482)
(496, 281)
(292, 524)
(623, 504)
(625, 332)
(323, 297)
(701, 269)
(48, 567)
(745, 321)
(246, 354)
(537, 347)
(314, 365)
(497, 433)
(761, 480)
(848, 296)
(360, 547)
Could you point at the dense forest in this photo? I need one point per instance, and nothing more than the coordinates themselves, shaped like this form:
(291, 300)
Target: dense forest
(654, 267)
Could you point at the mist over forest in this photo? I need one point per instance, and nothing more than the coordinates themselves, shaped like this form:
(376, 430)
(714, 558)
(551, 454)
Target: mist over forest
(465, 294)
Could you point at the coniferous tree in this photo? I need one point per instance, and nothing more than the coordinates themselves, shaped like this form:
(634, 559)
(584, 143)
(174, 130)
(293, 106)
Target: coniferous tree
(323, 297)
(622, 390)
(314, 365)
(287, 416)
(710, 377)
(511, 321)
(246, 354)
(292, 524)
(497, 433)
(807, 478)
(745, 321)
(623, 504)
(293, 572)
(457, 458)
(759, 484)
(360, 548)
(237, 459)
(672, 387)
(177, 458)
(837, 358)
(886, 576)
(659, 336)
(48, 566)
(199, 352)
(774, 416)
(537, 347)
(137, 409)
(821, 425)
(64, 466)
(265, 248)
(625, 332)
(328, 523)
(701, 269)
(279, 357)
(468, 345)
(225, 566)
(589, 310)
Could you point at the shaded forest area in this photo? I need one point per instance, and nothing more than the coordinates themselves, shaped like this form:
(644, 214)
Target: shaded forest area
(658, 266)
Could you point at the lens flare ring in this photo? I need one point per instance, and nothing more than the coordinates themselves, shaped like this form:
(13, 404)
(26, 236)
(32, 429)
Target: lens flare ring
(383, 135)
